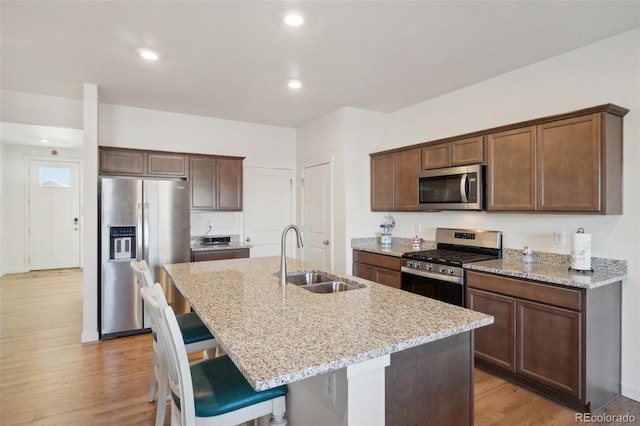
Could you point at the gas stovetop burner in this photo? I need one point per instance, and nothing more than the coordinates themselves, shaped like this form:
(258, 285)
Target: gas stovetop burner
(455, 247)
(449, 257)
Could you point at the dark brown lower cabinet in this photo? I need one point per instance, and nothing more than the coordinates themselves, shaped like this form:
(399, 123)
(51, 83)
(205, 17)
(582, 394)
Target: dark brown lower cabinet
(200, 256)
(495, 343)
(380, 268)
(559, 341)
(549, 346)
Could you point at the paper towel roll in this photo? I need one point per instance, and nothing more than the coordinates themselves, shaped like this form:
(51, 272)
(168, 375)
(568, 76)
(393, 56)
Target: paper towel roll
(581, 251)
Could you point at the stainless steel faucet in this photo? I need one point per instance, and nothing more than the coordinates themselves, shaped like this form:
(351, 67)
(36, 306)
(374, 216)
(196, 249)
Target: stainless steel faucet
(283, 248)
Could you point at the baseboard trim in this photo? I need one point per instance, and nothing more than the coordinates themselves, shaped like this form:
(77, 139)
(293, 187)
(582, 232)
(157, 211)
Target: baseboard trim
(630, 392)
(89, 336)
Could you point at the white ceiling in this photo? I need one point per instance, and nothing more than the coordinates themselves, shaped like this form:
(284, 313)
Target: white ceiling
(231, 59)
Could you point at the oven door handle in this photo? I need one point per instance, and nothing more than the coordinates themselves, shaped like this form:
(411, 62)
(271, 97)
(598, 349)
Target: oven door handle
(463, 187)
(448, 278)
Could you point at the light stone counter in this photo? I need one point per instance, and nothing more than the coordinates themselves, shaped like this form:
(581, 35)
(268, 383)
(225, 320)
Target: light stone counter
(548, 273)
(218, 247)
(277, 336)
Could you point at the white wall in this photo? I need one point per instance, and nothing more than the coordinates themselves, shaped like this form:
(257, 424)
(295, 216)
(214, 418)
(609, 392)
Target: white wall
(29, 108)
(262, 145)
(322, 141)
(604, 72)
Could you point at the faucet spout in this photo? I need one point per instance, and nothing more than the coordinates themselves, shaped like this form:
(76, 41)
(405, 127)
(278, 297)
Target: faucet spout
(283, 251)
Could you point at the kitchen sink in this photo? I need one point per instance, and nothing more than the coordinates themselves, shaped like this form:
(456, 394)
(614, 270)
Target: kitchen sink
(306, 278)
(320, 282)
(329, 287)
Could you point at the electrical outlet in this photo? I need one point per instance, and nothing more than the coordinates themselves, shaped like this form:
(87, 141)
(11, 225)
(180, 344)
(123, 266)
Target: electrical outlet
(330, 386)
(558, 238)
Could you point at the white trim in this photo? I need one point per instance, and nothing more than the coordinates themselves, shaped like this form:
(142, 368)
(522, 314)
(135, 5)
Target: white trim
(366, 392)
(630, 392)
(90, 336)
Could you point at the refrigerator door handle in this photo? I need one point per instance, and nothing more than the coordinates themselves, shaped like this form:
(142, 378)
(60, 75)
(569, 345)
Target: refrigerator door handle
(139, 253)
(145, 230)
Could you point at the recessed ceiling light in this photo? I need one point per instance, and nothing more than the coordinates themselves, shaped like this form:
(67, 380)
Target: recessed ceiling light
(148, 54)
(293, 20)
(45, 140)
(294, 84)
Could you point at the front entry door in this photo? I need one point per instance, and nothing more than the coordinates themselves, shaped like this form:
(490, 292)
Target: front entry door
(317, 215)
(54, 214)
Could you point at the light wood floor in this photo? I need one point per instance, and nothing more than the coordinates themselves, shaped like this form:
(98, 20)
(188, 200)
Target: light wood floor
(47, 377)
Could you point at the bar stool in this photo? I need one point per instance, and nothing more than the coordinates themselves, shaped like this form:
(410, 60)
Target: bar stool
(211, 392)
(196, 337)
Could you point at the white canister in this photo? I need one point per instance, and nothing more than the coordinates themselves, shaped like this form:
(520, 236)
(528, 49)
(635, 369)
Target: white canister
(385, 239)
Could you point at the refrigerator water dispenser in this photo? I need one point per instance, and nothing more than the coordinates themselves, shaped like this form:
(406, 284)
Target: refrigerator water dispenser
(123, 242)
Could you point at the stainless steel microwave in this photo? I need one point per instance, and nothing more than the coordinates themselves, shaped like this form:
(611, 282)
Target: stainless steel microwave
(452, 188)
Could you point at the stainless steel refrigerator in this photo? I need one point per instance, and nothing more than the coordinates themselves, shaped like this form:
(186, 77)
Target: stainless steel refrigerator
(139, 219)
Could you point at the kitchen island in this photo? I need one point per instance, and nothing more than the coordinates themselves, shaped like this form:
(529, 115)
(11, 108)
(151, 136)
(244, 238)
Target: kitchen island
(386, 355)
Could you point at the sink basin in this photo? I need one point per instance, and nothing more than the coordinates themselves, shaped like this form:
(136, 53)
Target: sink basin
(306, 278)
(329, 287)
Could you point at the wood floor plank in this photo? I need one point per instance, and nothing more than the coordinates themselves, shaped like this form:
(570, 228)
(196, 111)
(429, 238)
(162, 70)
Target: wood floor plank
(47, 377)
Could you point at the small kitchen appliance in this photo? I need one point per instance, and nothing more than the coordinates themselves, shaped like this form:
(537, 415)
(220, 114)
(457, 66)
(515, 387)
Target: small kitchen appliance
(452, 188)
(439, 273)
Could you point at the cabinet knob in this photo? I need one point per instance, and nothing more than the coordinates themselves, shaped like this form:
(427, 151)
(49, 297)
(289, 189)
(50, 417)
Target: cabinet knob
(248, 240)
(325, 242)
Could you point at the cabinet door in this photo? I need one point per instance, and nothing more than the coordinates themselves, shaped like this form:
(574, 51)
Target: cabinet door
(382, 182)
(569, 159)
(435, 156)
(229, 184)
(467, 151)
(406, 166)
(511, 168)
(202, 173)
(124, 162)
(549, 347)
(388, 277)
(496, 342)
(161, 164)
(364, 271)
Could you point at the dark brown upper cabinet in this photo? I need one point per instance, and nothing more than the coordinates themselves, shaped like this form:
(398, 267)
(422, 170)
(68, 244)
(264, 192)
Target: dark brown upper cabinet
(394, 180)
(216, 183)
(134, 162)
(567, 165)
(460, 152)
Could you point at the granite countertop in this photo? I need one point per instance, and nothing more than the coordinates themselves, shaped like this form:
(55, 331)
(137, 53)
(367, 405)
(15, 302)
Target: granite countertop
(548, 273)
(398, 246)
(281, 335)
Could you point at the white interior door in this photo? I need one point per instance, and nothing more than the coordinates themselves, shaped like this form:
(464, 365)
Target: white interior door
(54, 214)
(268, 204)
(316, 215)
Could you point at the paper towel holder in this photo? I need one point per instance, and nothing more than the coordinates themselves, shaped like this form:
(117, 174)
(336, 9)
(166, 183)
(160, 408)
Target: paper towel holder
(584, 271)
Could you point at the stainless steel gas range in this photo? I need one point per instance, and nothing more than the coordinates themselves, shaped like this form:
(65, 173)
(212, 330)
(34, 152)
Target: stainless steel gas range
(439, 273)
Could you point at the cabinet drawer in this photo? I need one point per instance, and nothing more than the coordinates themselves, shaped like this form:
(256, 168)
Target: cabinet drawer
(537, 292)
(199, 256)
(379, 260)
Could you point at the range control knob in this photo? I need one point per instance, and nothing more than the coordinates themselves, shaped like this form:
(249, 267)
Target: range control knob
(441, 269)
(450, 271)
(416, 265)
(428, 267)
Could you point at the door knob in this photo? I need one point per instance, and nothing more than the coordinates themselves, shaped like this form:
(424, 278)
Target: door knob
(248, 240)
(325, 242)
